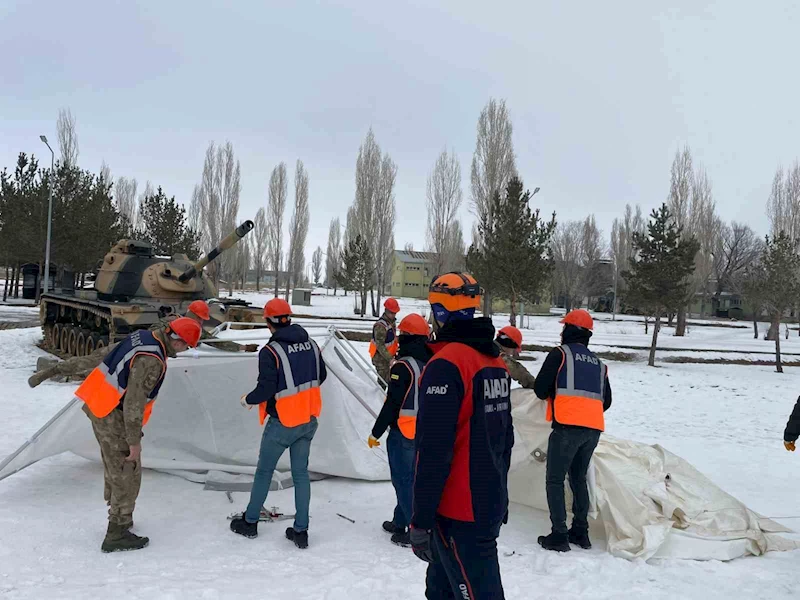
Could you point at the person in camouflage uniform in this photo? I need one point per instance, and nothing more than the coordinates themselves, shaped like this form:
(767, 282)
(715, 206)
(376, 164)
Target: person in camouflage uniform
(119, 433)
(198, 311)
(384, 339)
(509, 339)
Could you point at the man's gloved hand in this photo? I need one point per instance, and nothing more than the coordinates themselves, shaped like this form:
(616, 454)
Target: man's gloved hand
(243, 402)
(421, 544)
(251, 348)
(372, 442)
(790, 446)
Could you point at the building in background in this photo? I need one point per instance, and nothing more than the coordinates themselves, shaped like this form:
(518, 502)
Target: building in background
(411, 274)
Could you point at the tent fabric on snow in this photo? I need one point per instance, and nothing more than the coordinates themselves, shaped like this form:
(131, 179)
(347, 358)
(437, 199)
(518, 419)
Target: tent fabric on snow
(199, 431)
(198, 425)
(650, 502)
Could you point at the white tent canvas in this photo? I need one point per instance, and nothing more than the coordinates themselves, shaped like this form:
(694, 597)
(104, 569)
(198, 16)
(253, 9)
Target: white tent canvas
(649, 502)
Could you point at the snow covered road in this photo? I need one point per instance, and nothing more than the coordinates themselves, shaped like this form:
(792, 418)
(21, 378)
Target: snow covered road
(726, 420)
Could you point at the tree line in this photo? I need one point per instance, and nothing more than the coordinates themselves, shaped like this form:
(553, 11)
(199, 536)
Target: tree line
(88, 216)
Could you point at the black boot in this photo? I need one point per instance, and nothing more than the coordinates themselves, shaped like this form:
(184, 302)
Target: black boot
(580, 537)
(300, 538)
(390, 527)
(557, 542)
(242, 527)
(119, 539)
(402, 538)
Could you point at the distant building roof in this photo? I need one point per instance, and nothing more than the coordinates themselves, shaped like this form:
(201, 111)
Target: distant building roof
(415, 257)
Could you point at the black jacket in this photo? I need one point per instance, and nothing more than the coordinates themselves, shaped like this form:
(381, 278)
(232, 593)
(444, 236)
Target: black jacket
(270, 376)
(546, 380)
(400, 381)
(792, 431)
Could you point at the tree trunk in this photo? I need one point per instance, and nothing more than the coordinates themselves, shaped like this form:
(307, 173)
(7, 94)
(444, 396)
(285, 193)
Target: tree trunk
(288, 283)
(615, 306)
(5, 286)
(380, 297)
(645, 326)
(755, 327)
(487, 304)
(651, 361)
(37, 295)
(277, 293)
(363, 301)
(777, 326)
(17, 274)
(372, 302)
(670, 319)
(680, 327)
(513, 316)
(258, 280)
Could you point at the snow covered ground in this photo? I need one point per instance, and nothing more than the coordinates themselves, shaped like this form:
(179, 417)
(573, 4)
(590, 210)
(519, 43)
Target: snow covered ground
(726, 420)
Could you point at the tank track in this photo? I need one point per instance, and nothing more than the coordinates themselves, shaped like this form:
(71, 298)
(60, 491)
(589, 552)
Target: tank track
(79, 328)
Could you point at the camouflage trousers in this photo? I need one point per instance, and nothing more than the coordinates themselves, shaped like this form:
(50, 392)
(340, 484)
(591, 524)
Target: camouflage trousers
(383, 368)
(122, 478)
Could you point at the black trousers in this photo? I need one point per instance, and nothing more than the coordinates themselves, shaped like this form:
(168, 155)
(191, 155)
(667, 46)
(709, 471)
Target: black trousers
(465, 565)
(568, 453)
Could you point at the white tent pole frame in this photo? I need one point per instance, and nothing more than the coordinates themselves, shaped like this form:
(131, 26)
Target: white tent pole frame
(33, 438)
(347, 346)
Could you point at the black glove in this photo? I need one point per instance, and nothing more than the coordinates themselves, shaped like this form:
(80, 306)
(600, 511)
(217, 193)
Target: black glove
(421, 544)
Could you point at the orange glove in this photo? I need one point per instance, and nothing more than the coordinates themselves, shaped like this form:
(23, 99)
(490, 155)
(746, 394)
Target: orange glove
(789, 446)
(372, 442)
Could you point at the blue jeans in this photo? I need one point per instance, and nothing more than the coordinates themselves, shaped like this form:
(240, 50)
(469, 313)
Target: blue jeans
(275, 440)
(465, 562)
(401, 466)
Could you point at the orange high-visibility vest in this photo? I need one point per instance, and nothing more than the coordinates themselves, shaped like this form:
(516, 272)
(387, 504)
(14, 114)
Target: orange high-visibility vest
(407, 420)
(296, 404)
(580, 385)
(104, 388)
(390, 342)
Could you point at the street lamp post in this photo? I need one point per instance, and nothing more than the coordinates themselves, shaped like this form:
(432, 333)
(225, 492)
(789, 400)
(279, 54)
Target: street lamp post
(49, 214)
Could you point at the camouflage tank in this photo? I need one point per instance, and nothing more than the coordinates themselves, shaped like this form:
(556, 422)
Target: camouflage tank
(133, 289)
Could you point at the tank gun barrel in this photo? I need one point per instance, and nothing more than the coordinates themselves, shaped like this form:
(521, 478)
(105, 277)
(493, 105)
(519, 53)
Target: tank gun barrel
(237, 234)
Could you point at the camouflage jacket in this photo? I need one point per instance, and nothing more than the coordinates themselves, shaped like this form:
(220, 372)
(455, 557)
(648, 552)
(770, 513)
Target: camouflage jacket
(379, 333)
(204, 335)
(518, 373)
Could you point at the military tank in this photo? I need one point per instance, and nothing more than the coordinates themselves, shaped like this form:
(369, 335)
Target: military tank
(133, 289)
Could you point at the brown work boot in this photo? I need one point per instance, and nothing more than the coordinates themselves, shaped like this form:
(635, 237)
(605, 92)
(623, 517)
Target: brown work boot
(119, 539)
(37, 378)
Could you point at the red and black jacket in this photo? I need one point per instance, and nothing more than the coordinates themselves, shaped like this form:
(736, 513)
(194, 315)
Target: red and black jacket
(464, 430)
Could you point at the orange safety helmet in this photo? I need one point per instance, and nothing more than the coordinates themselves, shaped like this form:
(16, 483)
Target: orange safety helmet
(414, 324)
(392, 305)
(512, 334)
(277, 311)
(186, 329)
(455, 291)
(579, 318)
(199, 308)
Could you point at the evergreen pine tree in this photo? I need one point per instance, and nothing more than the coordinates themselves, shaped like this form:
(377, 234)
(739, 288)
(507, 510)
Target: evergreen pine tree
(781, 283)
(658, 279)
(515, 259)
(164, 226)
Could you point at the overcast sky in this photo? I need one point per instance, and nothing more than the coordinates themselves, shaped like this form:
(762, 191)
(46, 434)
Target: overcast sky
(601, 94)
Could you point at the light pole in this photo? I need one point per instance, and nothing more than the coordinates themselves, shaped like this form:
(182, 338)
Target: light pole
(49, 214)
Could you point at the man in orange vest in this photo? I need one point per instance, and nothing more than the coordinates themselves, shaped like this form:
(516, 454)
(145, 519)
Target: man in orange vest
(119, 395)
(383, 345)
(575, 384)
(399, 413)
(290, 373)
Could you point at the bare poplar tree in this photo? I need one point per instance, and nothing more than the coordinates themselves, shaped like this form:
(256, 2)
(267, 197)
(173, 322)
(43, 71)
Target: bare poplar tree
(783, 205)
(592, 250)
(333, 255)
(493, 164)
(443, 200)
(316, 265)
(454, 249)
(105, 173)
(707, 230)
(275, 208)
(67, 137)
(218, 199)
(567, 271)
(127, 203)
(621, 247)
(260, 245)
(738, 249)
(385, 212)
(298, 228)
